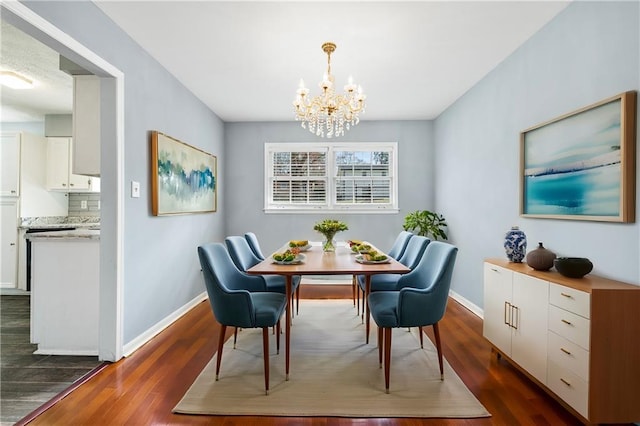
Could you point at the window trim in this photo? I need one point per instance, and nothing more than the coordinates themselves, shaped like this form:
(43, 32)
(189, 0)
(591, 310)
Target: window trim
(331, 178)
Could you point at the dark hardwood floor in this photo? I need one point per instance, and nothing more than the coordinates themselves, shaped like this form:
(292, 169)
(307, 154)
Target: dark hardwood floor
(143, 388)
(28, 381)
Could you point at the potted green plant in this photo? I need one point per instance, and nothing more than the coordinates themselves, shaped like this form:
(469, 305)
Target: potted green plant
(426, 223)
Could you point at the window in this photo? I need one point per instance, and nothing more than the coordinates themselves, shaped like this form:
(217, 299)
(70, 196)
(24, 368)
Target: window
(344, 177)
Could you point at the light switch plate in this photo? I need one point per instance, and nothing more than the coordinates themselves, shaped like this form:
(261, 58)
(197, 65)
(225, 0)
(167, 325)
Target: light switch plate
(135, 189)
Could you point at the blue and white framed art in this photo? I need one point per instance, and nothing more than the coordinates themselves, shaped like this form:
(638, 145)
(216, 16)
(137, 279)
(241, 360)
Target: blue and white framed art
(183, 178)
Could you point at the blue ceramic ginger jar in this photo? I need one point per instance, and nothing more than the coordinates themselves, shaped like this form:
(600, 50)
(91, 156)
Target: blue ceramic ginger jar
(515, 244)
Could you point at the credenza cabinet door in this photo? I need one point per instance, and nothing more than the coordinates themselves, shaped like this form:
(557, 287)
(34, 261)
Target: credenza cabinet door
(498, 283)
(529, 338)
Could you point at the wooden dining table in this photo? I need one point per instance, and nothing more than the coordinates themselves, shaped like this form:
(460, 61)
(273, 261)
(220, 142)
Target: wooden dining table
(317, 262)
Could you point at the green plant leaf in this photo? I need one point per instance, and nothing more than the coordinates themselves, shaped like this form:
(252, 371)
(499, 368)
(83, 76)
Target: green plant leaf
(426, 223)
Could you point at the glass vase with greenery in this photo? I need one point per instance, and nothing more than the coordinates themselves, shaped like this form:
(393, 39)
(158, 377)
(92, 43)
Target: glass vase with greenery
(329, 228)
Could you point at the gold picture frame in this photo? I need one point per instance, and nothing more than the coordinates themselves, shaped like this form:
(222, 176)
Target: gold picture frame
(183, 178)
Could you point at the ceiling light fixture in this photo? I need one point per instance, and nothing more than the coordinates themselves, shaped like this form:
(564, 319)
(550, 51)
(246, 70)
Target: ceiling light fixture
(329, 112)
(15, 80)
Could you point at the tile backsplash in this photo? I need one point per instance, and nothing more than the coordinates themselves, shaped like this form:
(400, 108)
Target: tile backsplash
(76, 207)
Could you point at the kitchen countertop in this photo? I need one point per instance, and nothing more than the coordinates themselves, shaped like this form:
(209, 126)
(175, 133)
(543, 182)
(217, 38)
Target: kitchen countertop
(75, 234)
(57, 222)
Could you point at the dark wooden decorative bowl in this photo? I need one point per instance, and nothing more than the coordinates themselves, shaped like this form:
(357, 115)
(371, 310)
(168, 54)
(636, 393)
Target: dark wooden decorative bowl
(573, 267)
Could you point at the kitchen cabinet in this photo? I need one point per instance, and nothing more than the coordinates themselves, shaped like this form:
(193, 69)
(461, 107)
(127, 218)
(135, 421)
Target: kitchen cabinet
(592, 327)
(59, 174)
(516, 317)
(9, 243)
(9, 165)
(65, 292)
(86, 125)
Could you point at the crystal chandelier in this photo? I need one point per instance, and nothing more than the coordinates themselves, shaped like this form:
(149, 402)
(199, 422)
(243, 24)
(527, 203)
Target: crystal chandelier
(328, 113)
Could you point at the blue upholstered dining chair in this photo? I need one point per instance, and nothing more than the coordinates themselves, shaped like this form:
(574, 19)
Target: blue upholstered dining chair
(420, 300)
(410, 258)
(400, 244)
(396, 251)
(237, 300)
(244, 258)
(252, 240)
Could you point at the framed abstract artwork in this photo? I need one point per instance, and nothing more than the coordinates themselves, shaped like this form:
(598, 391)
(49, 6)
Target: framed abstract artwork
(183, 178)
(581, 165)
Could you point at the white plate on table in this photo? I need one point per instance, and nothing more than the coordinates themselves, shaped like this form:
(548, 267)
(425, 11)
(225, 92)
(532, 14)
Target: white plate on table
(361, 259)
(298, 260)
(301, 248)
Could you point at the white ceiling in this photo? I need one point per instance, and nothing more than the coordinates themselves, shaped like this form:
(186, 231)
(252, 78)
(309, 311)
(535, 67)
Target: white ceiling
(53, 89)
(244, 59)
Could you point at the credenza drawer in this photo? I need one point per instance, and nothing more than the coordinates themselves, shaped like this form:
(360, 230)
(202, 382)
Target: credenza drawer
(568, 355)
(568, 386)
(570, 326)
(569, 299)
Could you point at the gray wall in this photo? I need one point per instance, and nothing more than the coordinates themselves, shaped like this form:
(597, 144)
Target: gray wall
(587, 53)
(35, 127)
(161, 269)
(244, 144)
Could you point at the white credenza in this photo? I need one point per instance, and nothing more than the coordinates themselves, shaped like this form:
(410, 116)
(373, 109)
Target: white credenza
(579, 339)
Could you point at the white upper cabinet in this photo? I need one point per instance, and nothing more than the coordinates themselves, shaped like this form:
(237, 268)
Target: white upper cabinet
(86, 125)
(59, 175)
(10, 165)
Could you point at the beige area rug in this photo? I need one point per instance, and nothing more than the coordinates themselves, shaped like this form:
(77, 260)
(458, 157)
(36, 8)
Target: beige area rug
(333, 373)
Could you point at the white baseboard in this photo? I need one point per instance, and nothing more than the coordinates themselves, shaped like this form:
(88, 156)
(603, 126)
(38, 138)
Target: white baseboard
(143, 338)
(467, 304)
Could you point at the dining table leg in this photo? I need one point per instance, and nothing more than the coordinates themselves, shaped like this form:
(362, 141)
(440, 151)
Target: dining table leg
(367, 287)
(287, 328)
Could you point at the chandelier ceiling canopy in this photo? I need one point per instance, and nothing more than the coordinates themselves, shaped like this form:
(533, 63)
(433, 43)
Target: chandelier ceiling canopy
(328, 113)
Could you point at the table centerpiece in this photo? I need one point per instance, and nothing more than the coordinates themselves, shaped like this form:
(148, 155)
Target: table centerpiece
(329, 228)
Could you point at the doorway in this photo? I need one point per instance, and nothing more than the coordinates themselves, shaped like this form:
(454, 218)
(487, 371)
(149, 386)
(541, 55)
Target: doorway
(110, 347)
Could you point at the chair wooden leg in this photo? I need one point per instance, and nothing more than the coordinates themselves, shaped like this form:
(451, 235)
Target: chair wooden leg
(421, 337)
(265, 351)
(223, 331)
(298, 300)
(380, 344)
(235, 337)
(436, 333)
(387, 357)
(278, 337)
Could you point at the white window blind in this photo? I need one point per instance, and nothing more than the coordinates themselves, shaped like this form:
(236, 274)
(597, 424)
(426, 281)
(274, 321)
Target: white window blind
(331, 176)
